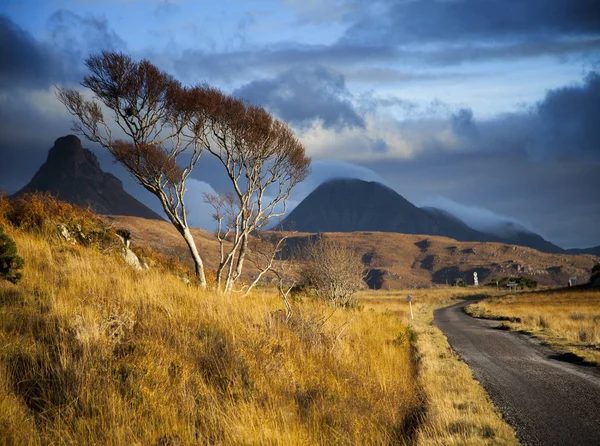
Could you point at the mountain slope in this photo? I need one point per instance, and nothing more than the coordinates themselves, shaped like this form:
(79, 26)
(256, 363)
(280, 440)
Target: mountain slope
(347, 205)
(506, 232)
(457, 229)
(515, 234)
(73, 174)
(595, 251)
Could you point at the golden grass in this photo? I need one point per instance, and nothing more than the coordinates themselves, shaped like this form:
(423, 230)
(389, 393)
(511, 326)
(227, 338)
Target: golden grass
(458, 411)
(568, 320)
(94, 352)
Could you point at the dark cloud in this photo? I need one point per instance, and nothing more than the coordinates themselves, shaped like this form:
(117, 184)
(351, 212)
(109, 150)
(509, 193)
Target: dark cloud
(25, 62)
(462, 123)
(30, 116)
(442, 32)
(302, 95)
(77, 36)
(564, 124)
(195, 65)
(463, 20)
(568, 120)
(31, 63)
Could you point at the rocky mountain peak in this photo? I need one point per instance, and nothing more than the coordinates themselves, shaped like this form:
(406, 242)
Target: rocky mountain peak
(73, 173)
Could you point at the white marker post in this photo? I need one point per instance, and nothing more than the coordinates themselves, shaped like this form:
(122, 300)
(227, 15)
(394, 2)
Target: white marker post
(409, 300)
(475, 279)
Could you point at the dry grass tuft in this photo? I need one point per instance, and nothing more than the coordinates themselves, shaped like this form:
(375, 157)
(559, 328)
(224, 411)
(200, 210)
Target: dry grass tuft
(568, 320)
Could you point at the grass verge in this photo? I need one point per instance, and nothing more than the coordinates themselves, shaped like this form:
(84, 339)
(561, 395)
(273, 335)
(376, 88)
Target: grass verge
(457, 410)
(567, 320)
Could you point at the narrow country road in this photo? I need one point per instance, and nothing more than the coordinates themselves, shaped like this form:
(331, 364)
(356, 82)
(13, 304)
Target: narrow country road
(548, 402)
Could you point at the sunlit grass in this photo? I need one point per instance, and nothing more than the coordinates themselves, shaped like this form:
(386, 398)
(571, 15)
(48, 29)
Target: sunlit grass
(457, 410)
(94, 352)
(569, 320)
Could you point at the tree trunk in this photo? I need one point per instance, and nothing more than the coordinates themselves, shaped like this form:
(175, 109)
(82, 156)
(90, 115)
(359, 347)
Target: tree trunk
(241, 257)
(198, 265)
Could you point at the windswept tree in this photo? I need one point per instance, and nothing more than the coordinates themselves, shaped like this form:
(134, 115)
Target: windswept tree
(164, 127)
(264, 161)
(163, 124)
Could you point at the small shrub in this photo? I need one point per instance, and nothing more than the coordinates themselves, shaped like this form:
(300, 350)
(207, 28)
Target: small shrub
(522, 282)
(4, 206)
(335, 272)
(10, 262)
(45, 214)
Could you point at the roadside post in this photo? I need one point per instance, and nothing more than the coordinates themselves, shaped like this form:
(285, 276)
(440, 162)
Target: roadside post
(409, 300)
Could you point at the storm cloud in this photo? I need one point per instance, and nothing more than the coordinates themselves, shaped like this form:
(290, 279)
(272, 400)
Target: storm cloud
(303, 95)
(25, 61)
(563, 124)
(466, 20)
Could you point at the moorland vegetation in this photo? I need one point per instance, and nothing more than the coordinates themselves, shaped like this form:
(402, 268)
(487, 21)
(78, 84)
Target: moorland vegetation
(95, 351)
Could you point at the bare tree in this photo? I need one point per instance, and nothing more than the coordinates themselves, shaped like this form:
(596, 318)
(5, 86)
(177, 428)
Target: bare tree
(263, 253)
(165, 128)
(334, 271)
(263, 249)
(264, 161)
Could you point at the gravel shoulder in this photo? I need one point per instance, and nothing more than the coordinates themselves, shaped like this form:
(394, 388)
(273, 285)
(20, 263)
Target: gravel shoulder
(547, 401)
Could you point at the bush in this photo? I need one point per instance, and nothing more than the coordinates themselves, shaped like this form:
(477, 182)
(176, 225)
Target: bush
(10, 262)
(596, 269)
(522, 282)
(45, 214)
(4, 206)
(333, 271)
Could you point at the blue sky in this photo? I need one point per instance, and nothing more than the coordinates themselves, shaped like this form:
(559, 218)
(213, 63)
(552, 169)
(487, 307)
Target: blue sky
(490, 104)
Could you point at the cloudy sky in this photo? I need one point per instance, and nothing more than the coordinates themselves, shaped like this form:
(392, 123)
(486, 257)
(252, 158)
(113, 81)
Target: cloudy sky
(483, 107)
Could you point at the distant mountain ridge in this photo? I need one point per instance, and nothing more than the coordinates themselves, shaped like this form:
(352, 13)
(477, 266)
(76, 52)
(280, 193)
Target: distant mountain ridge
(349, 205)
(73, 174)
(595, 251)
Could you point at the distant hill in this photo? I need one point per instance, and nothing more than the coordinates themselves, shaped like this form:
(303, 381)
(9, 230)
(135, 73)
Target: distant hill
(595, 251)
(348, 205)
(73, 174)
(395, 261)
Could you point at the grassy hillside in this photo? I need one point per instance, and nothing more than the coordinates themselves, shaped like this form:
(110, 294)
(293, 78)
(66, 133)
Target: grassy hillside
(95, 352)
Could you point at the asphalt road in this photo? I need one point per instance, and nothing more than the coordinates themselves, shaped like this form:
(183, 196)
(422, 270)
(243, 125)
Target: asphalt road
(546, 401)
